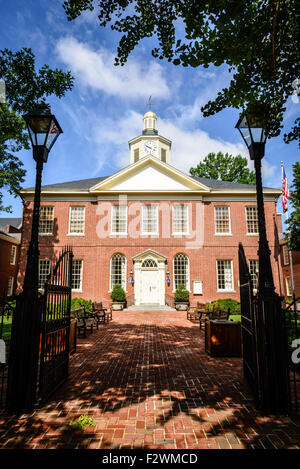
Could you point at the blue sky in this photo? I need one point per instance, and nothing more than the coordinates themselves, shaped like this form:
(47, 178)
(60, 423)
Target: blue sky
(105, 108)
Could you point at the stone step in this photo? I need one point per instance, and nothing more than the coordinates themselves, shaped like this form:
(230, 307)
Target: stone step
(149, 307)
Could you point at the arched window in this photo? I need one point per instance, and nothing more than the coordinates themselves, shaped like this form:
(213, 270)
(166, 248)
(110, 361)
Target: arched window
(181, 273)
(149, 263)
(118, 270)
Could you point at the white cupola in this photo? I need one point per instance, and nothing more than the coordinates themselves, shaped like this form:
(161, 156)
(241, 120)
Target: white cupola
(150, 143)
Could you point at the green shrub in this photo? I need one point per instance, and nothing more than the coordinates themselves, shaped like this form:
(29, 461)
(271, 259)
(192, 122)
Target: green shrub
(77, 302)
(234, 305)
(181, 294)
(118, 294)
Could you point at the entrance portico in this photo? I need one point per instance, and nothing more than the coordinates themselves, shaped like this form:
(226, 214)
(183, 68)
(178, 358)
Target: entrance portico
(149, 278)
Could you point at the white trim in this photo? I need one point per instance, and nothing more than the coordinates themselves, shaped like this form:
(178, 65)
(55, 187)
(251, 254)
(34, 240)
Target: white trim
(286, 258)
(48, 233)
(222, 290)
(147, 233)
(256, 232)
(228, 233)
(118, 233)
(70, 233)
(288, 288)
(125, 272)
(79, 290)
(188, 285)
(10, 288)
(181, 233)
(14, 251)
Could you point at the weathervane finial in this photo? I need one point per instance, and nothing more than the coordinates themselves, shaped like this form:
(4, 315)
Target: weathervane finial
(149, 102)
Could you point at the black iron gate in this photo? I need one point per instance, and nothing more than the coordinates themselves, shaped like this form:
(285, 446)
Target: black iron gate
(6, 313)
(249, 333)
(292, 322)
(271, 347)
(55, 326)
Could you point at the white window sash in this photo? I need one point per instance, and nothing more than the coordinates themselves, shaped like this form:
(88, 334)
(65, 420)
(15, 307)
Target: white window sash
(148, 220)
(184, 217)
(122, 220)
(72, 220)
(227, 275)
(13, 255)
(222, 233)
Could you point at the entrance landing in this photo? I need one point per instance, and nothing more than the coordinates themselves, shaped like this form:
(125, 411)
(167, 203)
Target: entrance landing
(149, 307)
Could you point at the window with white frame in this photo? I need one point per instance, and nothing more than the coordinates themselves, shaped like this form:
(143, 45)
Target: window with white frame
(10, 286)
(288, 285)
(253, 270)
(150, 219)
(224, 275)
(285, 252)
(77, 274)
(119, 219)
(180, 219)
(118, 271)
(44, 271)
(181, 273)
(76, 221)
(222, 220)
(13, 255)
(46, 220)
(252, 220)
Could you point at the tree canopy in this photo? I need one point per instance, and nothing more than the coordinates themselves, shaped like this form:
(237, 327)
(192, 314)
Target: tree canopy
(258, 41)
(25, 88)
(225, 168)
(294, 217)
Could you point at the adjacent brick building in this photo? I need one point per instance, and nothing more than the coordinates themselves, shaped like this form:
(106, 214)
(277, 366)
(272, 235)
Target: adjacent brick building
(151, 227)
(286, 269)
(10, 241)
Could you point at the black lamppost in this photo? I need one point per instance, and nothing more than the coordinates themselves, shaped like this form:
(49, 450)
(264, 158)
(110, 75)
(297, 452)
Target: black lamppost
(252, 131)
(270, 340)
(43, 130)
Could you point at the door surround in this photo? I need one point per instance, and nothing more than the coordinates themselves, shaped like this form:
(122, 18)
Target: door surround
(148, 261)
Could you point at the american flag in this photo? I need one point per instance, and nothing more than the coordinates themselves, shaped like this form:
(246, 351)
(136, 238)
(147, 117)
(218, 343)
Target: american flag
(285, 191)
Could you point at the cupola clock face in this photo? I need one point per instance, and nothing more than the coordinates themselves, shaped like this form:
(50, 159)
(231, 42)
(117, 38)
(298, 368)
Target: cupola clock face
(149, 146)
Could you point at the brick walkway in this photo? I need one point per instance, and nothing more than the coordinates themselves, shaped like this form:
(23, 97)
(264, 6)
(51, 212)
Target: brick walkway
(147, 383)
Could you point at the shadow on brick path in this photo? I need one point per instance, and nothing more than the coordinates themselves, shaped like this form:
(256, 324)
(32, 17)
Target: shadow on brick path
(146, 381)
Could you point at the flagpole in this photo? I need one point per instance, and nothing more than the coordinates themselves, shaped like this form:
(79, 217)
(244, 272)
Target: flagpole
(290, 253)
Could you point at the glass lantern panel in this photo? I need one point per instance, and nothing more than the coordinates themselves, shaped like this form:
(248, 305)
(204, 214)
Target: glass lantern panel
(245, 134)
(52, 135)
(256, 134)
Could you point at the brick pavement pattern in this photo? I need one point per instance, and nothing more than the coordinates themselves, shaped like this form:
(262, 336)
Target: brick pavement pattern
(147, 382)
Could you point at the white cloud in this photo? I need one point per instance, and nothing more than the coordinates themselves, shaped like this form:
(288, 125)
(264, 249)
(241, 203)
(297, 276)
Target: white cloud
(191, 147)
(95, 69)
(188, 146)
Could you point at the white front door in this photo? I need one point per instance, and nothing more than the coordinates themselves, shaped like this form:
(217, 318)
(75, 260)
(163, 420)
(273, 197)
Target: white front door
(149, 287)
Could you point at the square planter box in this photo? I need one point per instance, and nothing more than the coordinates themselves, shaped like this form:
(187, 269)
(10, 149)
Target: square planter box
(223, 338)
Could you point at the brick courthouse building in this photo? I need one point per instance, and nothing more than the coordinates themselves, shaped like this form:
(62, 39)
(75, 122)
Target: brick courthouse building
(154, 224)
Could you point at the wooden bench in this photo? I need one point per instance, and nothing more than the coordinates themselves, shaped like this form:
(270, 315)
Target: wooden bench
(104, 314)
(215, 314)
(84, 320)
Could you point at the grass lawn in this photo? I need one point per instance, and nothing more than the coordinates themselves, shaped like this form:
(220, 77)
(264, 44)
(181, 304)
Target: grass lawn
(235, 317)
(6, 331)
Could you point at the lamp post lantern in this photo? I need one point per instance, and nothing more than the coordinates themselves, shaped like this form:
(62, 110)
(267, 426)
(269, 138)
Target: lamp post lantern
(43, 130)
(269, 343)
(251, 128)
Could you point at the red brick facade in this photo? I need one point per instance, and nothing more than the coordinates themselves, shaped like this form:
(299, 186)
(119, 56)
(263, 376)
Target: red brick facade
(96, 251)
(286, 271)
(8, 263)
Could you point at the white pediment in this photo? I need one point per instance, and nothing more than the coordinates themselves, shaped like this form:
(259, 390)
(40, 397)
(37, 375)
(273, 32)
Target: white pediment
(149, 174)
